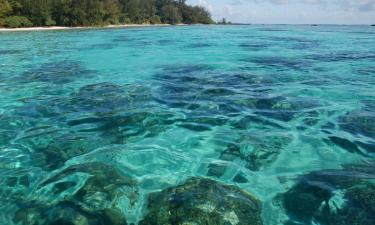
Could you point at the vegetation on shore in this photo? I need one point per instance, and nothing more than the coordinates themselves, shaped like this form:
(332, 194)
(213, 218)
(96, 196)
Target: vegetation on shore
(29, 13)
(224, 22)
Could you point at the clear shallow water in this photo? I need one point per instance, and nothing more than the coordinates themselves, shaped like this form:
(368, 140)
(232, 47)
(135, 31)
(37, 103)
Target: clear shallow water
(98, 119)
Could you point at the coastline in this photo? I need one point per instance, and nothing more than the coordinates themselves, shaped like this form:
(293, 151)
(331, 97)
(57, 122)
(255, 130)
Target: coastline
(53, 28)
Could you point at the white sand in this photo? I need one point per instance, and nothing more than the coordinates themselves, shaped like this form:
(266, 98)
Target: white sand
(71, 28)
(34, 28)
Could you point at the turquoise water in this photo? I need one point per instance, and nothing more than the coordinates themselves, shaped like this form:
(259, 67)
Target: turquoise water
(96, 120)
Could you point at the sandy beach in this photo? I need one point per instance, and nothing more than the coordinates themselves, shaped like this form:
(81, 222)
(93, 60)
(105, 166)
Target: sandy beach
(94, 27)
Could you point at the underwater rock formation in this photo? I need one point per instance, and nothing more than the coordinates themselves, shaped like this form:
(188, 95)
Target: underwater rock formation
(236, 100)
(329, 197)
(52, 147)
(57, 72)
(345, 144)
(359, 122)
(15, 183)
(94, 116)
(65, 213)
(202, 201)
(109, 97)
(83, 194)
(104, 185)
(199, 90)
(257, 151)
(117, 112)
(101, 100)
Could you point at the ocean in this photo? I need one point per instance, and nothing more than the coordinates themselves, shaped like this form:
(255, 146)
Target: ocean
(190, 125)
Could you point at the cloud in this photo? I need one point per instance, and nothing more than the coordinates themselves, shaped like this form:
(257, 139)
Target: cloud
(349, 5)
(280, 2)
(206, 4)
(292, 11)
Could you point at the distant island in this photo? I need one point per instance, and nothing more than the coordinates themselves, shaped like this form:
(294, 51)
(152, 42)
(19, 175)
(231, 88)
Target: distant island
(75, 13)
(224, 22)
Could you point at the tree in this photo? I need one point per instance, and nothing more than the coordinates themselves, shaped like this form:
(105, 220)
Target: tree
(155, 19)
(5, 8)
(62, 12)
(17, 21)
(100, 12)
(112, 11)
(170, 14)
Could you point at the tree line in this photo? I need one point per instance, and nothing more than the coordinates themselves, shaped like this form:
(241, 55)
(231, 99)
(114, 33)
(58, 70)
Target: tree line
(28, 13)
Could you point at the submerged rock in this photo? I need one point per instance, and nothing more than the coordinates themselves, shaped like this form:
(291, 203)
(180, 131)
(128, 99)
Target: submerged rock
(331, 197)
(109, 97)
(345, 144)
(61, 128)
(84, 194)
(95, 100)
(16, 183)
(195, 88)
(102, 188)
(201, 90)
(359, 123)
(52, 147)
(116, 112)
(65, 213)
(202, 201)
(255, 152)
(57, 73)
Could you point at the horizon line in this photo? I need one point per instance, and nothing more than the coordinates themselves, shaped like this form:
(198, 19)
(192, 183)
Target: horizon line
(340, 24)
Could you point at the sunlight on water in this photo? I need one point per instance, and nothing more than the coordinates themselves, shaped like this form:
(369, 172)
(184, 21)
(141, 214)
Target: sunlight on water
(188, 125)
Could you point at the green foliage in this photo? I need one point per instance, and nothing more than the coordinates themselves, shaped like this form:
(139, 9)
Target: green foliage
(5, 8)
(101, 12)
(224, 22)
(16, 21)
(155, 19)
(171, 15)
(125, 20)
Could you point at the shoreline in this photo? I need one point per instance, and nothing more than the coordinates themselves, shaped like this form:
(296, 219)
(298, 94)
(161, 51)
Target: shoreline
(53, 28)
(56, 28)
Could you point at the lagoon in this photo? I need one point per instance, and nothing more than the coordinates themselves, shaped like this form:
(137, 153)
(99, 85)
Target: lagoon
(260, 124)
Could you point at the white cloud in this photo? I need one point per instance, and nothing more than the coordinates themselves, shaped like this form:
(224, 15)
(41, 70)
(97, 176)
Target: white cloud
(292, 11)
(206, 4)
(358, 5)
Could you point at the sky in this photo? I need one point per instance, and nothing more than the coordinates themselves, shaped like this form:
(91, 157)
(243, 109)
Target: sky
(292, 11)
